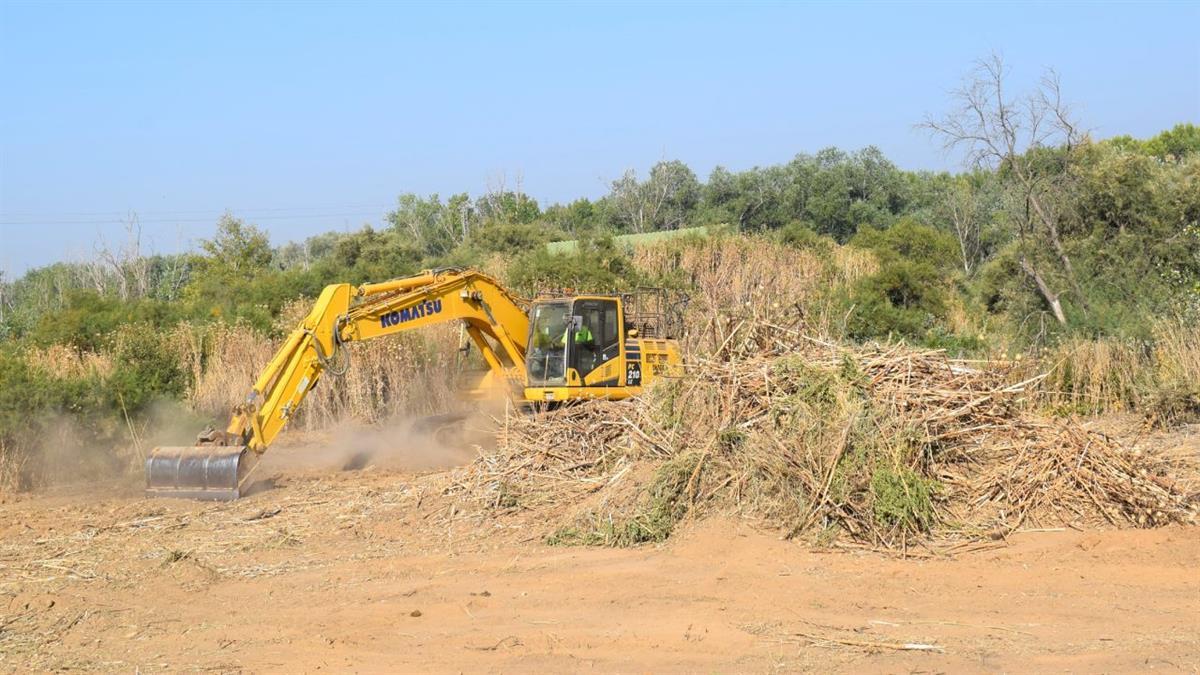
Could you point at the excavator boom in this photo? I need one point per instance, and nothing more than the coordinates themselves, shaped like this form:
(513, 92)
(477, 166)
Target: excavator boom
(220, 464)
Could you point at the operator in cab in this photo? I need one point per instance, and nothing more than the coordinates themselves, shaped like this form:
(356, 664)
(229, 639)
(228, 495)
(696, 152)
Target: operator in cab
(552, 328)
(547, 358)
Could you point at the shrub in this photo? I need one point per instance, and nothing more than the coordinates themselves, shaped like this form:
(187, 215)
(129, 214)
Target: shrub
(910, 240)
(802, 236)
(905, 299)
(148, 367)
(596, 265)
(902, 499)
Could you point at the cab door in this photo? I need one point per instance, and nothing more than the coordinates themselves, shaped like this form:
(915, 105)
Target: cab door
(596, 343)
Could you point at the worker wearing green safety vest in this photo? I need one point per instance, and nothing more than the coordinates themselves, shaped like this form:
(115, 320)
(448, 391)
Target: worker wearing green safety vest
(583, 335)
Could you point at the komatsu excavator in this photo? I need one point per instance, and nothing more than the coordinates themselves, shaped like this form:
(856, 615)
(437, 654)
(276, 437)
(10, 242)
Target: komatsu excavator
(567, 348)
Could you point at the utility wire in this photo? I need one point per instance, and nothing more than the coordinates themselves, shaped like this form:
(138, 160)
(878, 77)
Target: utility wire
(32, 218)
(170, 221)
(182, 212)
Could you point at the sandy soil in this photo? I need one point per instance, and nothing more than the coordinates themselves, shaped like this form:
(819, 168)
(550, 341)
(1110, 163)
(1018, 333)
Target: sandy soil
(379, 570)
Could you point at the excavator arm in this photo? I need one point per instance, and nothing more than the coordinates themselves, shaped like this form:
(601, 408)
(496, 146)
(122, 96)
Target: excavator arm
(218, 466)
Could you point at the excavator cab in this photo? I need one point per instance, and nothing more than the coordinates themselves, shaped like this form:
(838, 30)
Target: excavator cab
(585, 347)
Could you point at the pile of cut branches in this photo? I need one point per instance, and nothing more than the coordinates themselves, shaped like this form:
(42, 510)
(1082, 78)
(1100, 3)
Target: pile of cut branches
(880, 444)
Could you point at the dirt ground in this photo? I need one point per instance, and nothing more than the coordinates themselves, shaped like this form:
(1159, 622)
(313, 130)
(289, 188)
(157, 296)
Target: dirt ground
(378, 570)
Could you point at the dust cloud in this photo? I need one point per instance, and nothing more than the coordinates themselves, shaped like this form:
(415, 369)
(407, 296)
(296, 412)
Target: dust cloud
(72, 454)
(414, 444)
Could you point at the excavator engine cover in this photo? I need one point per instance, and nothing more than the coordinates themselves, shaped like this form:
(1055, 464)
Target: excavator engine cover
(213, 472)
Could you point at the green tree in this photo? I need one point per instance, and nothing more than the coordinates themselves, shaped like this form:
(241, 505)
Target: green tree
(664, 201)
(752, 200)
(237, 248)
(507, 207)
(431, 226)
(1176, 143)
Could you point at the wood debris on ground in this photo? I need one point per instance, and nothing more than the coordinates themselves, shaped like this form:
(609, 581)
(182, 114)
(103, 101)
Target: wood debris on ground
(884, 444)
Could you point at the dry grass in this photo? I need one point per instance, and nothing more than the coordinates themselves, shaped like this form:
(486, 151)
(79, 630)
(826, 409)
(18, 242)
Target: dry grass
(13, 461)
(1095, 375)
(224, 366)
(65, 362)
(742, 287)
(1160, 379)
(1176, 356)
(411, 374)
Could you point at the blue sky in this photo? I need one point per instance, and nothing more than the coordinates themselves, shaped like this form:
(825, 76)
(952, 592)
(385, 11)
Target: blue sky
(309, 117)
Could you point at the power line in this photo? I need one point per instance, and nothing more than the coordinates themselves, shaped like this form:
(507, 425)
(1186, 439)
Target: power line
(185, 212)
(172, 221)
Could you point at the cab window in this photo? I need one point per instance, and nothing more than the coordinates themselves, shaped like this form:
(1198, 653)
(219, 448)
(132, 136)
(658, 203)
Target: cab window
(548, 332)
(597, 339)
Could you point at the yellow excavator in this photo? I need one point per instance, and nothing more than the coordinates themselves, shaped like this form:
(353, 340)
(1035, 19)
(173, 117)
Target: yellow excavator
(566, 348)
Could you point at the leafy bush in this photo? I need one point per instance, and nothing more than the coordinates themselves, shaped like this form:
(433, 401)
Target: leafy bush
(148, 367)
(596, 265)
(902, 499)
(802, 236)
(909, 296)
(88, 318)
(910, 240)
(904, 299)
(511, 238)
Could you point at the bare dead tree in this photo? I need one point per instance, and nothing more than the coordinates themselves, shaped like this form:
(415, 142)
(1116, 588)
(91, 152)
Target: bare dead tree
(94, 273)
(175, 270)
(491, 203)
(997, 132)
(969, 205)
(126, 266)
(962, 205)
(627, 197)
(106, 265)
(133, 262)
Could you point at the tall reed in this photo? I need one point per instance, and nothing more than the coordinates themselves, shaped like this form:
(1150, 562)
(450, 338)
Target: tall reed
(741, 286)
(1160, 378)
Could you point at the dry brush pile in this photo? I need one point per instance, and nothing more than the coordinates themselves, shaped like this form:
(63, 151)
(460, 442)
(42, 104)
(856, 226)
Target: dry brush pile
(878, 444)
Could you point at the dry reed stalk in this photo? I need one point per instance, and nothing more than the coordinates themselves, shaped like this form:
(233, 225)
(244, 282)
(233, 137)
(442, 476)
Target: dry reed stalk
(739, 286)
(66, 362)
(232, 359)
(409, 374)
(1177, 350)
(1158, 378)
(1096, 375)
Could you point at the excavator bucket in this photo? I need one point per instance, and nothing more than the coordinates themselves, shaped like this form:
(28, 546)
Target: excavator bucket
(213, 472)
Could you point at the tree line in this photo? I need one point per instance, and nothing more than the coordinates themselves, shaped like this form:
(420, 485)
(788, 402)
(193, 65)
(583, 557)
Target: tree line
(1046, 232)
